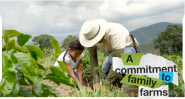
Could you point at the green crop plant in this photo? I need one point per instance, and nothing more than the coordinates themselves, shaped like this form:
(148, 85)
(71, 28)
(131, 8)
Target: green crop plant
(174, 90)
(86, 67)
(20, 68)
(111, 92)
(87, 76)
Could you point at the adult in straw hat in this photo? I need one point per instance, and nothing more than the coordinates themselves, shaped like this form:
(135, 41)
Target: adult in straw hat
(112, 38)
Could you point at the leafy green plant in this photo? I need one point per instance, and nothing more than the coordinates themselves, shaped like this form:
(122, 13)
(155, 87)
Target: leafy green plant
(111, 92)
(86, 67)
(20, 68)
(59, 74)
(101, 57)
(174, 90)
(47, 52)
(99, 69)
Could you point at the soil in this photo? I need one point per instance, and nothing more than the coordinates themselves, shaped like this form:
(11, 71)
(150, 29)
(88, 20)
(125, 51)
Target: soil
(64, 91)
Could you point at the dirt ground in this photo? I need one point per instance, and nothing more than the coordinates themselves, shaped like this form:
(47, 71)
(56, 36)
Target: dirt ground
(64, 90)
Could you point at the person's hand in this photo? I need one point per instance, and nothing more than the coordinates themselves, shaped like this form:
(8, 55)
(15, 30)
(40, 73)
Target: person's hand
(87, 89)
(84, 88)
(96, 85)
(104, 89)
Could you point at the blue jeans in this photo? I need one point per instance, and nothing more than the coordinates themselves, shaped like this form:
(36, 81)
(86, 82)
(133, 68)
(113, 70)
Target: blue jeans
(108, 61)
(78, 78)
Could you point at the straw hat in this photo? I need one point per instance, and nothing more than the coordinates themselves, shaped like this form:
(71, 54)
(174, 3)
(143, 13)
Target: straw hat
(92, 31)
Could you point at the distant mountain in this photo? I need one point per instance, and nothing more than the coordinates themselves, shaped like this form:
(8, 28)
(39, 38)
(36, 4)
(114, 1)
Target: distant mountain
(145, 34)
(148, 48)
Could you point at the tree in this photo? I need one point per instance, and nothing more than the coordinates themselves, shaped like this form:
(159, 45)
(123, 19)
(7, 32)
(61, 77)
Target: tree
(170, 41)
(44, 41)
(67, 40)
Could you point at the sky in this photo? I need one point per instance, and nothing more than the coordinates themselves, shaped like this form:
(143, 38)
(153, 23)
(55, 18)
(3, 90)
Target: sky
(63, 18)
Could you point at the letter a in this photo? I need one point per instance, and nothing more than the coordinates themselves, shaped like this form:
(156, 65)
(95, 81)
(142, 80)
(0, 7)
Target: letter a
(129, 58)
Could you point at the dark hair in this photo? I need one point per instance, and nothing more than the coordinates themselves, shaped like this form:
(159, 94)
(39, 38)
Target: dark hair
(74, 45)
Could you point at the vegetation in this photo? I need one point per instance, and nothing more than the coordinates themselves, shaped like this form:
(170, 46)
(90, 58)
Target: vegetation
(43, 41)
(87, 75)
(86, 67)
(149, 48)
(21, 68)
(169, 45)
(170, 41)
(27, 68)
(112, 91)
(145, 34)
(175, 91)
(67, 40)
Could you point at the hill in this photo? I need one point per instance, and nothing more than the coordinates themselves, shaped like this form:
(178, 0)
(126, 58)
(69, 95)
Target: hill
(148, 48)
(143, 35)
(148, 33)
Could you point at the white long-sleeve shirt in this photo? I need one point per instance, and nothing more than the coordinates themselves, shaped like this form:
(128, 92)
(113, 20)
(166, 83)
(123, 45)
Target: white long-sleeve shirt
(116, 37)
